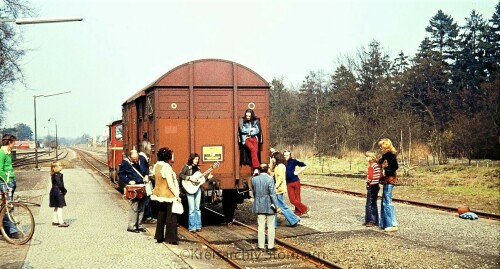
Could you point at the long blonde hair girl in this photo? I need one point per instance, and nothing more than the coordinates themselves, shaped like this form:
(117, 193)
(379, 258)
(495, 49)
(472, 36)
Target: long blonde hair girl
(385, 145)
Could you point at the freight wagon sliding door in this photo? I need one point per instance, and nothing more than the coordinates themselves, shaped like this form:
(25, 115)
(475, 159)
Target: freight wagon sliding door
(129, 128)
(172, 129)
(213, 131)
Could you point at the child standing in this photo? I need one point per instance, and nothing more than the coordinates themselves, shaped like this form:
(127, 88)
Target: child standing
(372, 189)
(57, 193)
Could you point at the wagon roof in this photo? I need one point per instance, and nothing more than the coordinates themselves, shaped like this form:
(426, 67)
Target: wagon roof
(180, 76)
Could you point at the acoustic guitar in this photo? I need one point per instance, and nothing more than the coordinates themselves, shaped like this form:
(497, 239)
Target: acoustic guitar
(191, 186)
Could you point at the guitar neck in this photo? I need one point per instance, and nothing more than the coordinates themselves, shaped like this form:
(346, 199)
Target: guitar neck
(207, 172)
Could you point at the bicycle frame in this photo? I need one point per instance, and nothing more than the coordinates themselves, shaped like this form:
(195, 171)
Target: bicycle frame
(17, 215)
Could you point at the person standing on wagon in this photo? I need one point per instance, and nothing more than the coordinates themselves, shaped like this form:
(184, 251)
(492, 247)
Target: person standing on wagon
(57, 195)
(293, 184)
(250, 138)
(132, 172)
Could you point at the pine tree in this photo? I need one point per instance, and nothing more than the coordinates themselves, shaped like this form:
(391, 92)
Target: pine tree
(443, 38)
(469, 68)
(491, 45)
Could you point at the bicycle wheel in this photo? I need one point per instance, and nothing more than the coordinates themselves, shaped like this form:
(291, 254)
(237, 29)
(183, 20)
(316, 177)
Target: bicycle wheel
(21, 217)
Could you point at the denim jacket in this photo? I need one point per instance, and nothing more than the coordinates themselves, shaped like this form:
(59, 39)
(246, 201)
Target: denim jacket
(245, 129)
(264, 194)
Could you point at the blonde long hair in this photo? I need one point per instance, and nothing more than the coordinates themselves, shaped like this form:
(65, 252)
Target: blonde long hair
(55, 167)
(385, 145)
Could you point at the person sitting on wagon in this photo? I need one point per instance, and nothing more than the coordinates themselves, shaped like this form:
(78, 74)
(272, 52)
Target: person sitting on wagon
(249, 138)
(133, 170)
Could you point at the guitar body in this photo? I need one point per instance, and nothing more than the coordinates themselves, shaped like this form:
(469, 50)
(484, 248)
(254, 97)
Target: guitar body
(192, 187)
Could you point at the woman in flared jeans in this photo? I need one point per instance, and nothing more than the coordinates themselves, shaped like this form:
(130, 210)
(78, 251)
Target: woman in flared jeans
(387, 212)
(194, 214)
(389, 164)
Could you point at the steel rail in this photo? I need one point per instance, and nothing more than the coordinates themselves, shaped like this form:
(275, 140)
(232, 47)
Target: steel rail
(303, 253)
(28, 162)
(403, 201)
(202, 240)
(91, 156)
(80, 153)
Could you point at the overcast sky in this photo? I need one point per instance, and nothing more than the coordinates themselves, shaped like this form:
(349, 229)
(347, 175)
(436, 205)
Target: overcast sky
(123, 45)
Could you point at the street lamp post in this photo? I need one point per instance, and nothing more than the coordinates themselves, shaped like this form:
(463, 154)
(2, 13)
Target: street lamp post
(36, 134)
(56, 135)
(39, 20)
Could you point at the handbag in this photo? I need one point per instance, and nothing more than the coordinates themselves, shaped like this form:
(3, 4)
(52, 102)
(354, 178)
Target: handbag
(393, 179)
(149, 188)
(177, 208)
(136, 191)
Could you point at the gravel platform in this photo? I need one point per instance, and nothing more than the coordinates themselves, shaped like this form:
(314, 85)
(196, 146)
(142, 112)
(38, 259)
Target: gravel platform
(426, 238)
(96, 237)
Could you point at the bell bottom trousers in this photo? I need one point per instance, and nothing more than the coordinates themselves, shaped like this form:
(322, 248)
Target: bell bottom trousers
(194, 214)
(253, 146)
(293, 189)
(166, 225)
(286, 211)
(387, 212)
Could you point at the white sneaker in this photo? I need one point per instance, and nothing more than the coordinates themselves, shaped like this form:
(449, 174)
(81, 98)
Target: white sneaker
(391, 229)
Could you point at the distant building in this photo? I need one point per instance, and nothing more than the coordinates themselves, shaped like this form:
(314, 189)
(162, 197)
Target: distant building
(26, 144)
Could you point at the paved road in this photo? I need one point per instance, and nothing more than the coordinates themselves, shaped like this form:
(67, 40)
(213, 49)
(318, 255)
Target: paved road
(97, 236)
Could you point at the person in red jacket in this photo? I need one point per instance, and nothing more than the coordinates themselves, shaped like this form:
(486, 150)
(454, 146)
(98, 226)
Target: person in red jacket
(372, 189)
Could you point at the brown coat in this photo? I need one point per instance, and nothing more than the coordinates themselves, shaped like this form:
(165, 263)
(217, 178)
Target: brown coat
(167, 187)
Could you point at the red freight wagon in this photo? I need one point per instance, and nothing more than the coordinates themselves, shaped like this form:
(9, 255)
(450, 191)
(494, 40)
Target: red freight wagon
(196, 107)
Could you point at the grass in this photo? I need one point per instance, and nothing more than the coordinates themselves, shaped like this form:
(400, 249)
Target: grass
(454, 184)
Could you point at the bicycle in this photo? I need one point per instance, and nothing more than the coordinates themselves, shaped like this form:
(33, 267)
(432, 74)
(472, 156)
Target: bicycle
(18, 213)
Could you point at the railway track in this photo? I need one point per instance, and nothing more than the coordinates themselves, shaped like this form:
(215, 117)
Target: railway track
(410, 202)
(29, 158)
(242, 239)
(98, 165)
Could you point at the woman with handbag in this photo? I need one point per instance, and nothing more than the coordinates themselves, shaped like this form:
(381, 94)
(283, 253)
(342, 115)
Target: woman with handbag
(166, 193)
(389, 164)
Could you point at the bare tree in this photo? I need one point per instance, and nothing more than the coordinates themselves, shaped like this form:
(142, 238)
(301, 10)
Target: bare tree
(10, 51)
